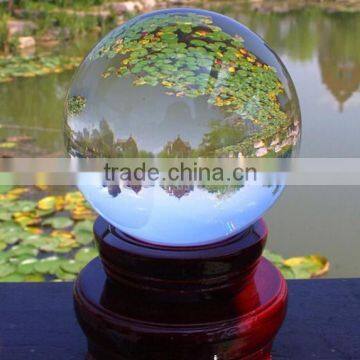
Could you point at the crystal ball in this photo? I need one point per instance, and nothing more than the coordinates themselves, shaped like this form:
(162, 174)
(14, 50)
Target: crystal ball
(181, 83)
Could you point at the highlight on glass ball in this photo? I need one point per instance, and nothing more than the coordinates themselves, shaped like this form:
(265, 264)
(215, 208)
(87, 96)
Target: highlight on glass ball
(181, 83)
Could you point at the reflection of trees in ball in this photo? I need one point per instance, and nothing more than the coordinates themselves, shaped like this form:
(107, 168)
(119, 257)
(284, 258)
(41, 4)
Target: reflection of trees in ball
(222, 135)
(190, 56)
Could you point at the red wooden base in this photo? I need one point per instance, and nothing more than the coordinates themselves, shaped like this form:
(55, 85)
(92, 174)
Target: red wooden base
(167, 316)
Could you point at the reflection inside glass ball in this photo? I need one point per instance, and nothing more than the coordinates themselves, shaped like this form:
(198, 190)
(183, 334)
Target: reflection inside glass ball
(181, 84)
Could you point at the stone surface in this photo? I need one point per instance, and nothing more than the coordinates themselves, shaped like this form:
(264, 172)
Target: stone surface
(149, 4)
(126, 7)
(18, 27)
(25, 42)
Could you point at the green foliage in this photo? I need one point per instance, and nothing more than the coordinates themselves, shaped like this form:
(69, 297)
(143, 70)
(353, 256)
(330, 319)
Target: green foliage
(300, 267)
(3, 30)
(69, 19)
(59, 3)
(18, 67)
(70, 24)
(221, 134)
(76, 104)
(31, 251)
(190, 56)
(58, 222)
(53, 251)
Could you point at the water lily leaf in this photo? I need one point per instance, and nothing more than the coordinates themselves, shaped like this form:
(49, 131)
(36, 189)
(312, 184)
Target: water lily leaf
(287, 272)
(16, 192)
(72, 266)
(84, 237)
(73, 198)
(18, 66)
(10, 232)
(23, 206)
(6, 270)
(34, 278)
(26, 219)
(23, 250)
(5, 188)
(66, 243)
(83, 232)
(59, 222)
(82, 212)
(273, 257)
(63, 249)
(48, 244)
(4, 256)
(27, 266)
(85, 255)
(65, 276)
(47, 203)
(85, 225)
(49, 265)
(43, 213)
(13, 278)
(5, 215)
(35, 240)
(62, 234)
(308, 266)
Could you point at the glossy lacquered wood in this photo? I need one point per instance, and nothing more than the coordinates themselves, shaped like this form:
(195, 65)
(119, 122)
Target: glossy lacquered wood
(220, 302)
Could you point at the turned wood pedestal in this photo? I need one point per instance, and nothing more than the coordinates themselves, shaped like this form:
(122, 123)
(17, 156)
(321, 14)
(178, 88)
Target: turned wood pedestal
(216, 302)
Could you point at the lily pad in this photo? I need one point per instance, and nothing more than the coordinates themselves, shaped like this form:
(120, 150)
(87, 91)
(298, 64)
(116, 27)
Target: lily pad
(50, 204)
(5, 188)
(308, 266)
(273, 257)
(20, 250)
(6, 270)
(23, 206)
(5, 215)
(17, 67)
(13, 278)
(59, 222)
(27, 266)
(49, 265)
(34, 278)
(83, 232)
(72, 266)
(301, 267)
(65, 276)
(10, 232)
(85, 255)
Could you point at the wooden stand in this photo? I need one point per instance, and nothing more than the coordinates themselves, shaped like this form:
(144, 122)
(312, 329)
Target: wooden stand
(145, 302)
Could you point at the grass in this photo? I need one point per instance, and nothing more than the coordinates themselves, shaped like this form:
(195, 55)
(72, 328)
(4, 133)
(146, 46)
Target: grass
(59, 15)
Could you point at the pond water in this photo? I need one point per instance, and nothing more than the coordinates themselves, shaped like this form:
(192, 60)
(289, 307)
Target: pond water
(321, 52)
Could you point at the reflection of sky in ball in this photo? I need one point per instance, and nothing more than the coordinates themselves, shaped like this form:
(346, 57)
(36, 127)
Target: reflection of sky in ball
(198, 218)
(154, 119)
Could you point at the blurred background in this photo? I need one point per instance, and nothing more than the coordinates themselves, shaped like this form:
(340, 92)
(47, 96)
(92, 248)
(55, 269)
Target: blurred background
(45, 233)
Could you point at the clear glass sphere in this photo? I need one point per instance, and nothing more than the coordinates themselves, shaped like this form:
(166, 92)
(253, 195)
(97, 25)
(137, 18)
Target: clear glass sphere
(181, 83)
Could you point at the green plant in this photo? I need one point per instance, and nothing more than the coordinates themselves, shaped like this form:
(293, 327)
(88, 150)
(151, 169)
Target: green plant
(190, 56)
(3, 30)
(59, 3)
(19, 67)
(48, 239)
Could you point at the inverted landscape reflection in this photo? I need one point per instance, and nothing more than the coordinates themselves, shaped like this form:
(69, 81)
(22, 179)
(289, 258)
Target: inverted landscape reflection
(181, 84)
